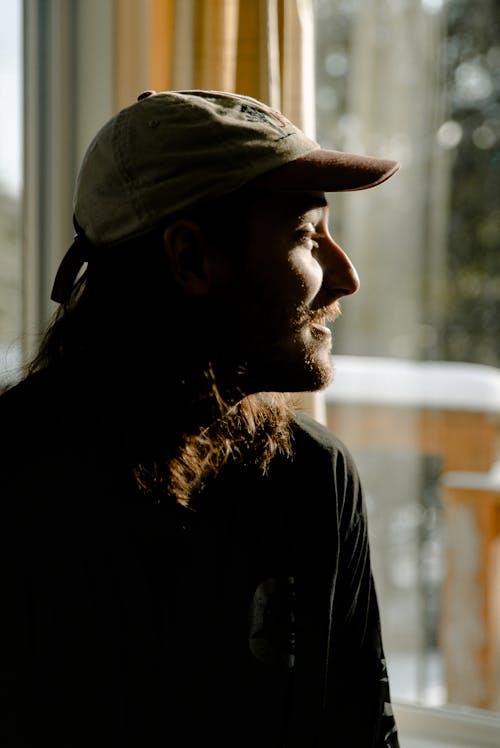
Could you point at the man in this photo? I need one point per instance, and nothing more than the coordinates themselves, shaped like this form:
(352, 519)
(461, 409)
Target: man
(185, 557)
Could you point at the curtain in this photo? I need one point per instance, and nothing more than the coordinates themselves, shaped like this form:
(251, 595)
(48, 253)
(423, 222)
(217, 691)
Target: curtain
(261, 48)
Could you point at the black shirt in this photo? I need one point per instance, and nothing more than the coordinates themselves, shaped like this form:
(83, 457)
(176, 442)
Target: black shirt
(252, 621)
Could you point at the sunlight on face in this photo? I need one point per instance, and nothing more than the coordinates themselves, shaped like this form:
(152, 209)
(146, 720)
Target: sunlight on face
(286, 292)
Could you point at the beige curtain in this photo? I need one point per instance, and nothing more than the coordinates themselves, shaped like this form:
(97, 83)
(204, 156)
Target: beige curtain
(261, 48)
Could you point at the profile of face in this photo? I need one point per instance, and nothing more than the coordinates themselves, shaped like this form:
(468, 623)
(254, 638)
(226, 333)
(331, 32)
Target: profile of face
(288, 289)
(267, 304)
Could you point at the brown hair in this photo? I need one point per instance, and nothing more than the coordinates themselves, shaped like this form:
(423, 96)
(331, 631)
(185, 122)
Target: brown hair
(125, 301)
(252, 432)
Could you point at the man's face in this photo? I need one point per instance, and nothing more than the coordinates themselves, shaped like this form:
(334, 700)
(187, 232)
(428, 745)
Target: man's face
(284, 292)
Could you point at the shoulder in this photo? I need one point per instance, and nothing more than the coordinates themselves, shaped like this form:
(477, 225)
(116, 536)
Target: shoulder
(35, 419)
(53, 444)
(24, 402)
(324, 468)
(16, 403)
(32, 386)
(314, 440)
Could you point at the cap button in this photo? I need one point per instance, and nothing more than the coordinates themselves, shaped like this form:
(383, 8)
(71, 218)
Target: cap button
(145, 94)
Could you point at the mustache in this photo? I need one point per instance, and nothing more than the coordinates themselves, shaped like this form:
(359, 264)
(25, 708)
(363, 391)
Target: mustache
(325, 314)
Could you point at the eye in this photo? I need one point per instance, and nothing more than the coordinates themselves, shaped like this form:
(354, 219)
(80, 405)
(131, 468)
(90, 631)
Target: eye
(308, 236)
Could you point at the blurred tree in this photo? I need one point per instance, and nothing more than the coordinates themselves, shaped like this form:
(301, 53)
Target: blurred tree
(470, 326)
(459, 315)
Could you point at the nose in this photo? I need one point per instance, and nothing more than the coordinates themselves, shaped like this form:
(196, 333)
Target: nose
(340, 277)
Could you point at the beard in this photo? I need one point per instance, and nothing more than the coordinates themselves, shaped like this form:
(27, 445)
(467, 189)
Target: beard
(292, 355)
(317, 372)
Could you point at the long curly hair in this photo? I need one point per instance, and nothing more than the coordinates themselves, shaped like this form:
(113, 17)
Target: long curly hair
(121, 310)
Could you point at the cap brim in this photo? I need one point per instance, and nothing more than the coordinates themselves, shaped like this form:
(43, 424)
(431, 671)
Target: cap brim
(329, 171)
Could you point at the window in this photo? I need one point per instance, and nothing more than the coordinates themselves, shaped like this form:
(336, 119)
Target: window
(10, 188)
(416, 396)
(417, 393)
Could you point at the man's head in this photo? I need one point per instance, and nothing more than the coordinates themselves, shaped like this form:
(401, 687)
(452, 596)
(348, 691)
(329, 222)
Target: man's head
(264, 286)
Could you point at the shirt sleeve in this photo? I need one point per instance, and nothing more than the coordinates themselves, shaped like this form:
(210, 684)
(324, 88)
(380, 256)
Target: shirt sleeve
(357, 709)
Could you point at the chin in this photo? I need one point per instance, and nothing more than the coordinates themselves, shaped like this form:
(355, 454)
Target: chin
(318, 377)
(297, 366)
(305, 375)
(316, 370)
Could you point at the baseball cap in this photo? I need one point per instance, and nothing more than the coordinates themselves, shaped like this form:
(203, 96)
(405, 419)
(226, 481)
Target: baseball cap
(172, 150)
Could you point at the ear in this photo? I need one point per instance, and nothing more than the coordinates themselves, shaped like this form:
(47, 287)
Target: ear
(188, 255)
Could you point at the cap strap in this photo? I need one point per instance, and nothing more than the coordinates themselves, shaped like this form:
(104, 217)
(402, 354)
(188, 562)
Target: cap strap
(71, 264)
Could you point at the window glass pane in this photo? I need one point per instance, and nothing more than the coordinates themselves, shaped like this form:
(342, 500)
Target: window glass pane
(417, 390)
(10, 187)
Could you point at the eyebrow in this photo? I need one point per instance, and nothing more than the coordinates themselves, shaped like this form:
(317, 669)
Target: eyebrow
(300, 203)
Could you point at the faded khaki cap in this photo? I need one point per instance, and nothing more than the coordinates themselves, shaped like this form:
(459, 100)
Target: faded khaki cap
(173, 149)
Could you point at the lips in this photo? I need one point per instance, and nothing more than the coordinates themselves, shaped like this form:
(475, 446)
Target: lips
(320, 331)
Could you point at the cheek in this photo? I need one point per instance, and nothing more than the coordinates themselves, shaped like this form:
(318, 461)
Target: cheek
(308, 274)
(272, 294)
